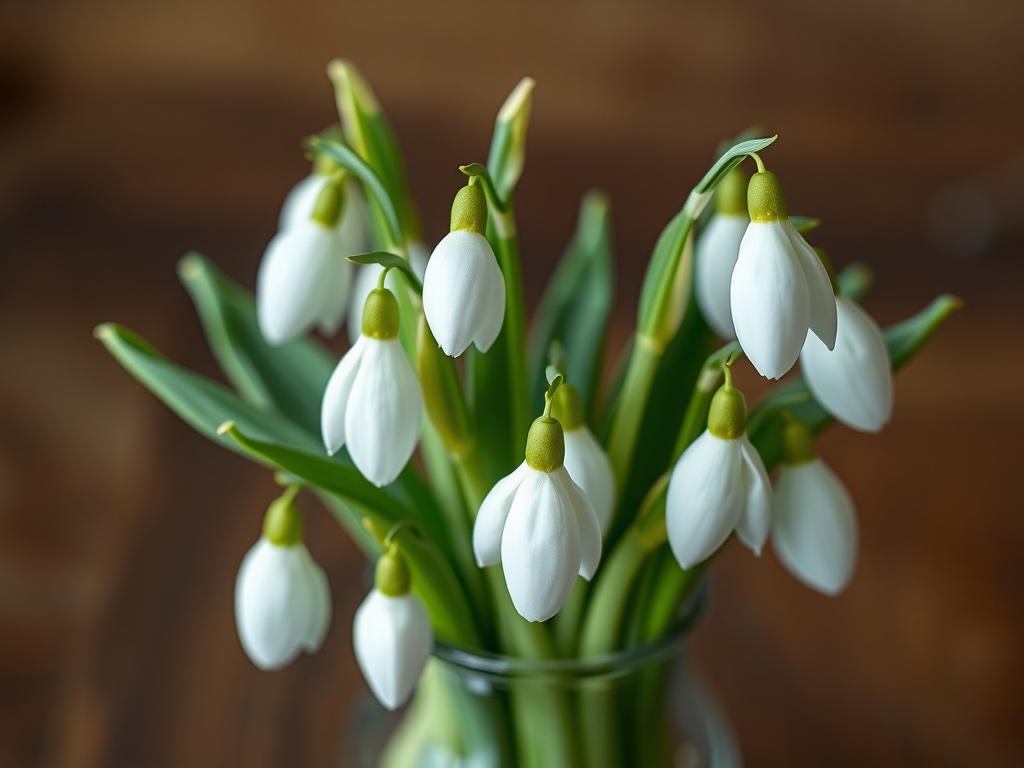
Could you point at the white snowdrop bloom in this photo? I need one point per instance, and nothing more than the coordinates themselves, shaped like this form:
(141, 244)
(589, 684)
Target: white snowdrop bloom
(282, 600)
(719, 485)
(366, 280)
(391, 634)
(585, 460)
(304, 277)
(373, 403)
(540, 526)
(814, 528)
(779, 288)
(716, 252)
(853, 382)
(463, 287)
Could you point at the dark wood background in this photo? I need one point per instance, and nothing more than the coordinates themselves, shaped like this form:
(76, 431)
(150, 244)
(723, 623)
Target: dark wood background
(131, 132)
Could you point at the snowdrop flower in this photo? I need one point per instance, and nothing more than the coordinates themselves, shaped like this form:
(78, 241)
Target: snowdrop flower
(303, 280)
(301, 202)
(539, 525)
(717, 250)
(814, 527)
(391, 634)
(779, 288)
(282, 600)
(585, 459)
(366, 280)
(463, 287)
(373, 402)
(853, 382)
(719, 485)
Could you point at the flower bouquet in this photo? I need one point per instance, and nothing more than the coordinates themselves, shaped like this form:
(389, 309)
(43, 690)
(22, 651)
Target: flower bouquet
(521, 515)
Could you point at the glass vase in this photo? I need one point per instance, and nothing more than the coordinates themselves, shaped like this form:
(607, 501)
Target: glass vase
(643, 706)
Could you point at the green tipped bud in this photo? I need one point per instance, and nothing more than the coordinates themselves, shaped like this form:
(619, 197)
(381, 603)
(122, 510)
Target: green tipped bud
(282, 525)
(330, 202)
(797, 443)
(731, 195)
(508, 150)
(469, 210)
(827, 264)
(392, 576)
(545, 446)
(727, 418)
(567, 408)
(380, 315)
(765, 199)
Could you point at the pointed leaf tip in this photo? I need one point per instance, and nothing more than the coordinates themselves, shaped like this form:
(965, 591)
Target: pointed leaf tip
(228, 427)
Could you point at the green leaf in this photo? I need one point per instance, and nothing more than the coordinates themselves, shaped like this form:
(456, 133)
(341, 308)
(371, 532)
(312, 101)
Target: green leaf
(804, 224)
(201, 403)
(903, 341)
(855, 280)
(390, 261)
(576, 305)
(290, 378)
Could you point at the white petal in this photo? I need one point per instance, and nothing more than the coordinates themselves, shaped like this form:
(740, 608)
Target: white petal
(320, 601)
(298, 205)
(336, 398)
(491, 324)
(540, 547)
(384, 412)
(392, 640)
(586, 518)
(490, 520)
(273, 603)
(756, 520)
(769, 299)
(336, 291)
(822, 320)
(705, 498)
(854, 381)
(590, 469)
(458, 290)
(815, 528)
(717, 250)
(293, 280)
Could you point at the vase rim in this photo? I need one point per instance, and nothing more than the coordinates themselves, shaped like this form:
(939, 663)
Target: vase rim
(617, 662)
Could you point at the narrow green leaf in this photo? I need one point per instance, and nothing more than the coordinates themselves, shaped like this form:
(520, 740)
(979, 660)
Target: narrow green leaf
(390, 261)
(576, 305)
(290, 378)
(855, 280)
(508, 144)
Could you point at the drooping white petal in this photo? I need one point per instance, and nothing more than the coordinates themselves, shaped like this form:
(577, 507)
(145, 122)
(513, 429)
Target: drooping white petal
(854, 381)
(540, 547)
(756, 520)
(590, 469)
(490, 520)
(276, 604)
(586, 518)
(366, 277)
(822, 320)
(392, 640)
(706, 495)
(815, 526)
(337, 280)
(320, 615)
(293, 279)
(769, 299)
(299, 203)
(384, 412)
(717, 250)
(459, 294)
(491, 323)
(336, 398)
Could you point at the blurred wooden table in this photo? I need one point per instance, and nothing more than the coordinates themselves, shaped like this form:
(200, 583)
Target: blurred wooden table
(132, 133)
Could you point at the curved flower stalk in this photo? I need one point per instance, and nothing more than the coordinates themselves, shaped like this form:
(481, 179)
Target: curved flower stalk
(373, 403)
(719, 485)
(282, 599)
(391, 633)
(366, 279)
(539, 525)
(814, 525)
(716, 252)
(463, 288)
(585, 459)
(853, 381)
(779, 288)
(303, 280)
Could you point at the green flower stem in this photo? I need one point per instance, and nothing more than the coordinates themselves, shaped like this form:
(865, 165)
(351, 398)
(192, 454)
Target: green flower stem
(515, 326)
(567, 621)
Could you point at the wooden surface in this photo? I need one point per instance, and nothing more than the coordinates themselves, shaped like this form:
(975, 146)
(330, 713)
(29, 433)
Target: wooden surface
(131, 132)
